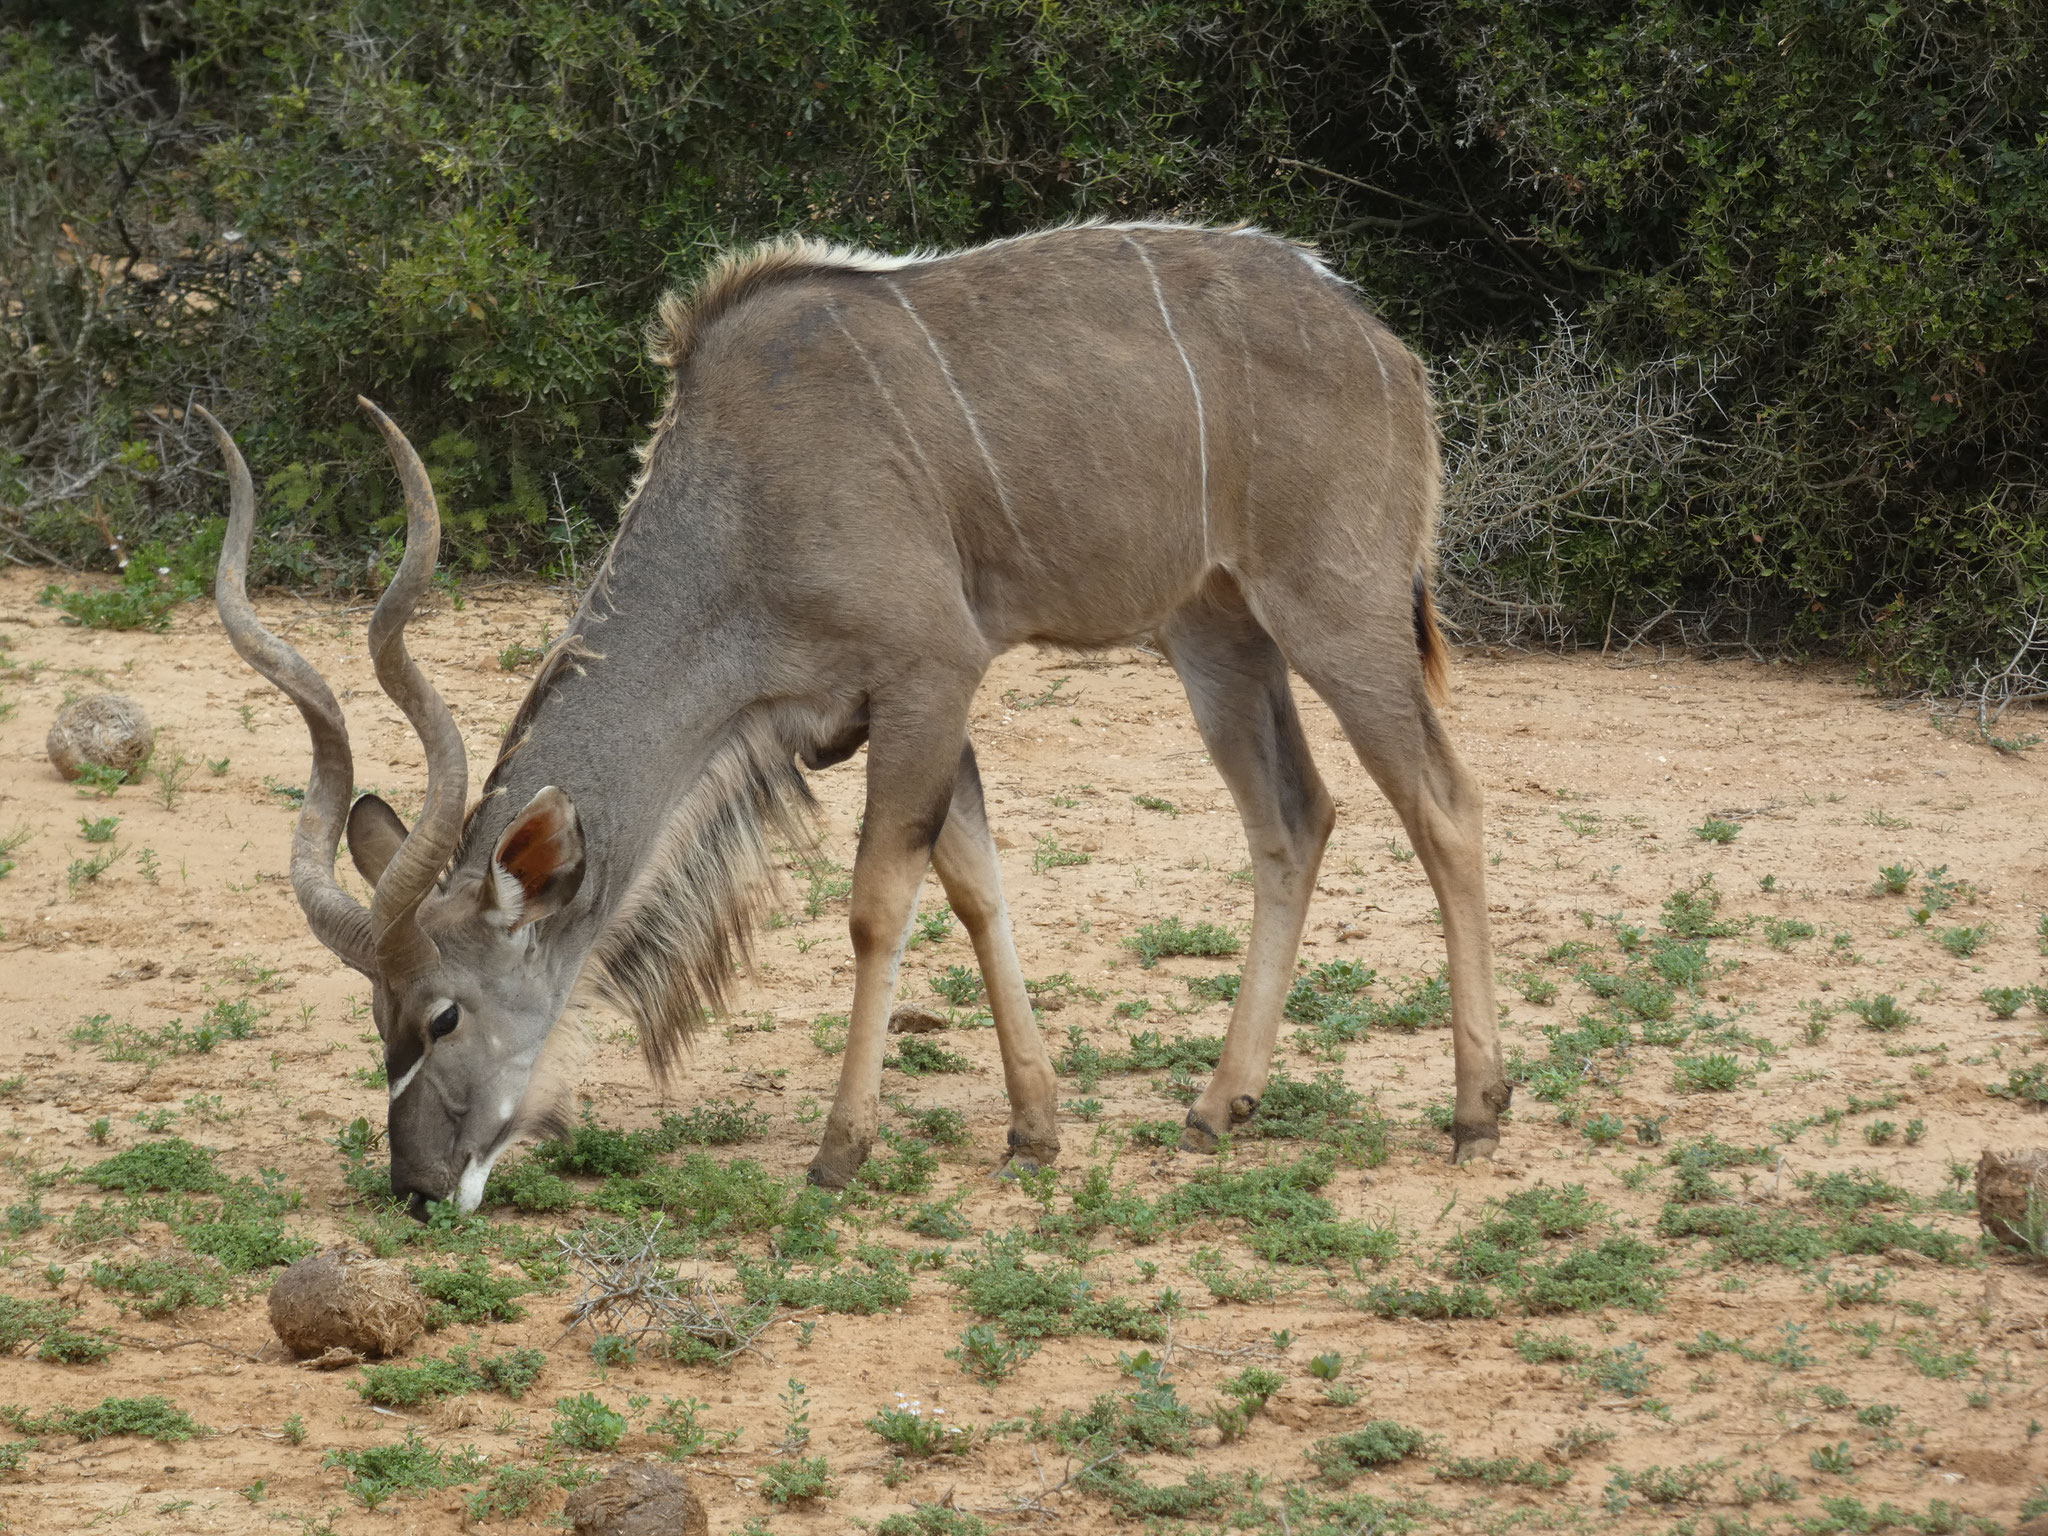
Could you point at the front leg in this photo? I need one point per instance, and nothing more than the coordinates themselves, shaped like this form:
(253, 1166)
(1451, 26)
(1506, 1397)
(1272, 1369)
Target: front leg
(912, 762)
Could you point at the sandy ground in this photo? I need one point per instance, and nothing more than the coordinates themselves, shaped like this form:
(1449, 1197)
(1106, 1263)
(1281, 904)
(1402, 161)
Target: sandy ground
(1595, 770)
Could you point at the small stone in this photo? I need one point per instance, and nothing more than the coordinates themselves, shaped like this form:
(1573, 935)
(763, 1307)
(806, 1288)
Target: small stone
(638, 1499)
(108, 730)
(913, 1020)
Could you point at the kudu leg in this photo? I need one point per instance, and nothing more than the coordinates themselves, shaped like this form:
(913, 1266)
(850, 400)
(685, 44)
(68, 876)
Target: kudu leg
(1401, 741)
(913, 762)
(965, 857)
(1236, 681)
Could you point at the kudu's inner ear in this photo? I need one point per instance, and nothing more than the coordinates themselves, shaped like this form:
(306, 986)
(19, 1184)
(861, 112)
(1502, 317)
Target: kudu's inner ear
(374, 835)
(538, 863)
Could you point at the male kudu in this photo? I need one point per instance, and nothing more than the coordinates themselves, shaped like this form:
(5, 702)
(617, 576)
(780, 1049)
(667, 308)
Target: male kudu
(874, 475)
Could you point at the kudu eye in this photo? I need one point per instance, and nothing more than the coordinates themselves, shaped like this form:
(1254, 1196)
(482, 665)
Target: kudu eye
(444, 1022)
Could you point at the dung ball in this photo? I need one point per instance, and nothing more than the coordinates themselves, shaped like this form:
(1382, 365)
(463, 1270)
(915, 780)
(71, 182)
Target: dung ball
(108, 730)
(2006, 1182)
(639, 1499)
(344, 1299)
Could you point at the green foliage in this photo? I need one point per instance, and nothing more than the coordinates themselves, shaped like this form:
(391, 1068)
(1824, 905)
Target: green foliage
(932, 1520)
(45, 1327)
(463, 1370)
(795, 1480)
(469, 1294)
(916, 1056)
(161, 1286)
(961, 986)
(171, 1164)
(1030, 1302)
(1171, 936)
(1380, 1443)
(1881, 1013)
(586, 1423)
(714, 1123)
(146, 1418)
(411, 1466)
(1516, 1471)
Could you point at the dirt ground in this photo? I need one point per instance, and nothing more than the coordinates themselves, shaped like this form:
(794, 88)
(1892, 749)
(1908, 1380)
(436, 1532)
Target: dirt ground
(1595, 769)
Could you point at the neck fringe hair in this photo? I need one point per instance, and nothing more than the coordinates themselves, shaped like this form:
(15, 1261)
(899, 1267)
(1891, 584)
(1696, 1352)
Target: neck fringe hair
(668, 958)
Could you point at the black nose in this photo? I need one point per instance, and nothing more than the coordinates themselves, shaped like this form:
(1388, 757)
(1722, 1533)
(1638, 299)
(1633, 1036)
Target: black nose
(416, 1207)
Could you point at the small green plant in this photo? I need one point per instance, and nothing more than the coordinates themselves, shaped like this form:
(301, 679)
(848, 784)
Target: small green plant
(1894, 879)
(1837, 1458)
(1963, 942)
(1326, 1367)
(796, 1480)
(1171, 936)
(961, 985)
(1603, 1130)
(585, 1423)
(1378, 1444)
(377, 1473)
(1155, 803)
(98, 829)
(2004, 1002)
(172, 774)
(1715, 830)
(1714, 1072)
(1881, 1013)
(910, 1429)
(146, 1418)
(829, 1031)
(986, 1356)
(88, 871)
(918, 1057)
(1046, 853)
(1782, 933)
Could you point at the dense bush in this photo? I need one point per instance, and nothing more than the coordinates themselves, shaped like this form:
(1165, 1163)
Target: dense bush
(1739, 308)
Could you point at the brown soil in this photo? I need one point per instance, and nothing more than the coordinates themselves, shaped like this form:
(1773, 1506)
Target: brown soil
(1595, 771)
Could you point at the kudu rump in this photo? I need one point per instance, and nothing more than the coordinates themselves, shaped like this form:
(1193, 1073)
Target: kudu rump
(874, 475)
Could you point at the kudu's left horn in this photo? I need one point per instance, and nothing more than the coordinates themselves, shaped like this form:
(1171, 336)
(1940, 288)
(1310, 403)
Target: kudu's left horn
(384, 942)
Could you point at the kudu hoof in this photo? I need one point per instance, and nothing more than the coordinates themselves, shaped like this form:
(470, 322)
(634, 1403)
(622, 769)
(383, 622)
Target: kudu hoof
(1470, 1142)
(1197, 1137)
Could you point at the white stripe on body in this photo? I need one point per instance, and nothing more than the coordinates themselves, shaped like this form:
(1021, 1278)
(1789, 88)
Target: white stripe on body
(1195, 384)
(973, 422)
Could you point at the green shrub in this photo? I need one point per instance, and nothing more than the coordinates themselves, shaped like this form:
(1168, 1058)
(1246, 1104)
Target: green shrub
(171, 1164)
(1380, 1443)
(411, 1466)
(146, 1418)
(1171, 936)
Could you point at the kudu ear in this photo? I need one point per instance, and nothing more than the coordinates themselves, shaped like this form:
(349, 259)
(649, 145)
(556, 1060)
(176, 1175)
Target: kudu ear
(374, 835)
(538, 863)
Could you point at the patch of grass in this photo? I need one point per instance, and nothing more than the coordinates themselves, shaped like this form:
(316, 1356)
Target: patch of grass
(379, 1473)
(961, 985)
(463, 1370)
(915, 1056)
(469, 1294)
(795, 1480)
(1046, 1301)
(1546, 1348)
(1693, 913)
(1430, 1302)
(1782, 933)
(1713, 1072)
(1380, 1443)
(940, 1126)
(528, 1185)
(586, 1422)
(45, 1327)
(1715, 830)
(860, 1291)
(987, 1356)
(1155, 803)
(1850, 1190)
(2026, 1085)
(1170, 936)
(932, 1520)
(161, 1286)
(146, 1418)
(1046, 853)
(1512, 1471)
(171, 1164)
(910, 1430)
(1619, 1272)
(2004, 1002)
(714, 1123)
(1963, 942)
(1682, 1484)
(1881, 1013)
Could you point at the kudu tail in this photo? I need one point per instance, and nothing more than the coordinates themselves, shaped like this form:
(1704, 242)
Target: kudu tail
(1429, 643)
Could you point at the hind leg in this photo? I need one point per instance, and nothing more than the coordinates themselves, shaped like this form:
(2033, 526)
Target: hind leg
(1236, 683)
(965, 857)
(1370, 675)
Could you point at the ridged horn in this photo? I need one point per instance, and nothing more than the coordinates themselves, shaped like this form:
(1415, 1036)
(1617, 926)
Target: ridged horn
(336, 918)
(402, 948)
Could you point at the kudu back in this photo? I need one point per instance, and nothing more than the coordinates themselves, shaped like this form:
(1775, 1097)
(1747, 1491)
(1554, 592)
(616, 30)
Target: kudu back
(874, 475)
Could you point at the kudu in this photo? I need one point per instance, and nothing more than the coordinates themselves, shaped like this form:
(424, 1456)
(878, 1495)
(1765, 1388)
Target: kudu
(872, 476)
